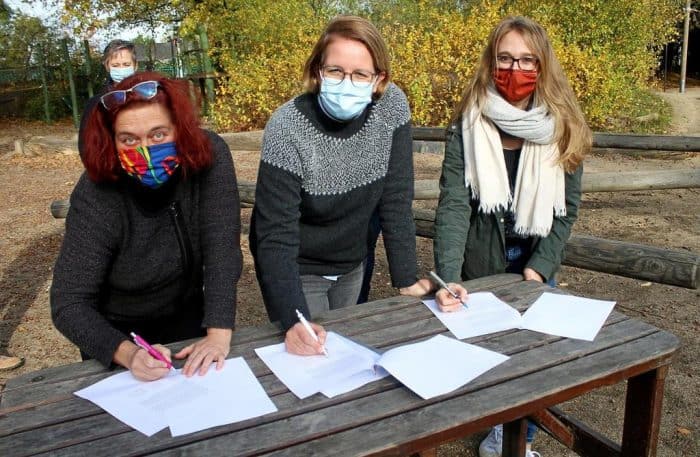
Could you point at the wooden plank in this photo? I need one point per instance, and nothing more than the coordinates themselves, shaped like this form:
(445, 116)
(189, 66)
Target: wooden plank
(429, 189)
(288, 425)
(643, 413)
(636, 141)
(575, 435)
(409, 424)
(514, 438)
(665, 266)
(600, 140)
(243, 141)
(633, 260)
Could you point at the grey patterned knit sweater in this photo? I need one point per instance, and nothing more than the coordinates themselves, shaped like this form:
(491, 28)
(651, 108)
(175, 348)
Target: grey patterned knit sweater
(318, 184)
(121, 258)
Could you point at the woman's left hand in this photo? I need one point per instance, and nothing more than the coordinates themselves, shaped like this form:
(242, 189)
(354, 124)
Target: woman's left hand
(531, 275)
(212, 348)
(418, 289)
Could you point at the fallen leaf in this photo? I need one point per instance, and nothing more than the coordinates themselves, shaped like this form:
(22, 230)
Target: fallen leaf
(645, 284)
(683, 431)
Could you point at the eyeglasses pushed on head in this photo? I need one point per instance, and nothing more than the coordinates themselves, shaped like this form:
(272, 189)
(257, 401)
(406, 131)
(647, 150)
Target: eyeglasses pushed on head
(143, 91)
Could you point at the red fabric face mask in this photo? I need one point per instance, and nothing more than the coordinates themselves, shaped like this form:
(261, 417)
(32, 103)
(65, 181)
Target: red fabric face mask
(515, 85)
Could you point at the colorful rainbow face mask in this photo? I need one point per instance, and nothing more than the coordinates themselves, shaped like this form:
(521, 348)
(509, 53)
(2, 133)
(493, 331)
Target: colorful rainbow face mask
(152, 165)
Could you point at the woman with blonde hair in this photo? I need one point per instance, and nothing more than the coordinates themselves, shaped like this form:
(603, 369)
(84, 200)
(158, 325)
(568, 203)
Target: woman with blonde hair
(511, 178)
(331, 157)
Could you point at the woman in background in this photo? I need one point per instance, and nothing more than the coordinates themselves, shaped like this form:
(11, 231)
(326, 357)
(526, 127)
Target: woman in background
(511, 178)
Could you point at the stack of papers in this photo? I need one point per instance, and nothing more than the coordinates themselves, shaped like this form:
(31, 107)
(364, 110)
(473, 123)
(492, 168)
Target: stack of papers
(347, 367)
(429, 368)
(186, 405)
(555, 314)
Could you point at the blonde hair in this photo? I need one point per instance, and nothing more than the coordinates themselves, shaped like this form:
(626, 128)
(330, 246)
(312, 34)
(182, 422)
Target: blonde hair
(351, 28)
(572, 134)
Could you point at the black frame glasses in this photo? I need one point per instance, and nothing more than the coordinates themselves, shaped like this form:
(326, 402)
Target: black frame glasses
(335, 75)
(529, 62)
(145, 90)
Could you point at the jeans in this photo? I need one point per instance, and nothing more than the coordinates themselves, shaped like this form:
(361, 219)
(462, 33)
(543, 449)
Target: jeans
(323, 294)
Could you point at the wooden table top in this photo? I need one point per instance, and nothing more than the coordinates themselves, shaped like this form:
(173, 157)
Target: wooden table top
(39, 413)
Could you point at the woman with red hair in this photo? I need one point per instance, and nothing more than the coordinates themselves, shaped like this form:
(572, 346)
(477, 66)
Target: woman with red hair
(152, 244)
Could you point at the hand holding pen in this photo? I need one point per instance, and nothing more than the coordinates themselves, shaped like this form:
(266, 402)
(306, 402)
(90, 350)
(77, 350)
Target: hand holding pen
(451, 297)
(305, 338)
(153, 352)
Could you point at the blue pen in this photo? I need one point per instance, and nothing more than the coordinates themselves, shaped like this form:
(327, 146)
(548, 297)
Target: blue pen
(444, 285)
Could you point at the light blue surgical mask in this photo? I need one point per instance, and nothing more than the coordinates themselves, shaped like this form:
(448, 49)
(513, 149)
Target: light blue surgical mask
(120, 73)
(345, 100)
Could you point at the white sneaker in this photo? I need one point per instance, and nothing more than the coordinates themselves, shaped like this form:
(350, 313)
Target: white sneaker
(492, 445)
(532, 454)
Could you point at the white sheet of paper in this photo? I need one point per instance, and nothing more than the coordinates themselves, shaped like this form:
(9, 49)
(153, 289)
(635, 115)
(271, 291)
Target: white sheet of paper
(567, 315)
(485, 314)
(307, 375)
(185, 404)
(227, 396)
(438, 365)
(126, 398)
(357, 380)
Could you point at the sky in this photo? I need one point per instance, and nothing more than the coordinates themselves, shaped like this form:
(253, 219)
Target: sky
(49, 16)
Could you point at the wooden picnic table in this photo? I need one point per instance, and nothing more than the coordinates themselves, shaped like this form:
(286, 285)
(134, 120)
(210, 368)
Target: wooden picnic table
(39, 414)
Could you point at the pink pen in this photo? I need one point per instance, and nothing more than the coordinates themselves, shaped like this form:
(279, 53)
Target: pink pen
(140, 342)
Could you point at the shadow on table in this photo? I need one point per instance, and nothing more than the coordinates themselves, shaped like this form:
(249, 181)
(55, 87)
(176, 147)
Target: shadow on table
(23, 280)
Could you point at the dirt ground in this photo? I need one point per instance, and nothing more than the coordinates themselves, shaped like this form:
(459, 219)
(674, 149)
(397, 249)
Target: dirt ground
(30, 239)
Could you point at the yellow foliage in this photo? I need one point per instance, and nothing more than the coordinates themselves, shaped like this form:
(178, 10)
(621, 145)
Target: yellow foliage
(607, 48)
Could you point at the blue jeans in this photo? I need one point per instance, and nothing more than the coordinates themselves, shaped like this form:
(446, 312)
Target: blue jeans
(516, 259)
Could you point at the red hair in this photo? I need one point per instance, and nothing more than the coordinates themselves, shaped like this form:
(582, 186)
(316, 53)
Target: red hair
(99, 154)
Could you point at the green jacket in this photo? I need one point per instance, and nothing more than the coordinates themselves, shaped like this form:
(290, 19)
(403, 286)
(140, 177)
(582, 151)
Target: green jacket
(469, 244)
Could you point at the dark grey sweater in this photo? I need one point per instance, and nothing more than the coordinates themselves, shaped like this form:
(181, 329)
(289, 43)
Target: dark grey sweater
(121, 258)
(318, 184)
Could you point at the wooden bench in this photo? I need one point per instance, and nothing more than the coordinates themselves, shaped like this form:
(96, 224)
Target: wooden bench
(39, 414)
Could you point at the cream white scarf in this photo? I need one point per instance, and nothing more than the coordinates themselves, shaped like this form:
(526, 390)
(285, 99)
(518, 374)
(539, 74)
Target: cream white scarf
(539, 185)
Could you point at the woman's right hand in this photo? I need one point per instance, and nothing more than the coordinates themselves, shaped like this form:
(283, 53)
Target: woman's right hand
(446, 302)
(299, 342)
(141, 364)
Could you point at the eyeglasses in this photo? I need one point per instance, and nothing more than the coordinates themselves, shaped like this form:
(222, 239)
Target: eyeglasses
(335, 75)
(144, 91)
(527, 63)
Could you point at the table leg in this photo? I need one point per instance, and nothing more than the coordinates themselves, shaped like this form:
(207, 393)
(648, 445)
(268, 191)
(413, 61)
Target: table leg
(514, 436)
(640, 432)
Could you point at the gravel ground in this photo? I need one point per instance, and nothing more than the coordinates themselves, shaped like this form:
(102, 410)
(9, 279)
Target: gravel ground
(30, 239)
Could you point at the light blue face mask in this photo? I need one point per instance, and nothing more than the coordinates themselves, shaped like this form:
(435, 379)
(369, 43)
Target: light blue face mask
(120, 73)
(345, 101)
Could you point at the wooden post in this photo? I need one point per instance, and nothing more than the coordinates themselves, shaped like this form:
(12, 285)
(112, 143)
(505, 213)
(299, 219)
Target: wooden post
(514, 436)
(88, 67)
(208, 82)
(640, 433)
(71, 83)
(44, 84)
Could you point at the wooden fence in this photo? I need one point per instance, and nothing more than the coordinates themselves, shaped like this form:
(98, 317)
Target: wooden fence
(679, 268)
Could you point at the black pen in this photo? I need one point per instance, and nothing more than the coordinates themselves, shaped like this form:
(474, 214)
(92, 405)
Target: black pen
(445, 286)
